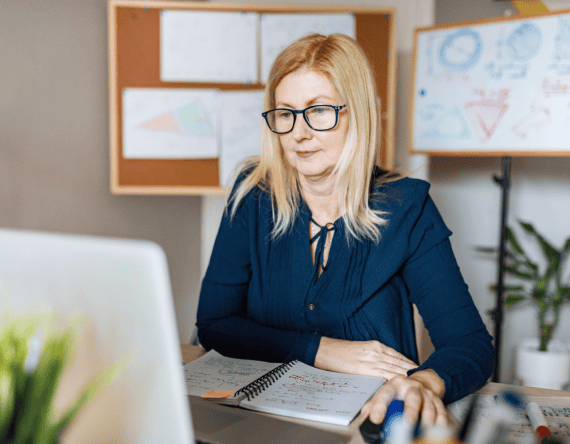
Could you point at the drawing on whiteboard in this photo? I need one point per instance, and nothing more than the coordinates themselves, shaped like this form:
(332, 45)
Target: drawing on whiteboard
(555, 87)
(449, 125)
(500, 44)
(189, 119)
(429, 112)
(460, 50)
(511, 70)
(486, 114)
(429, 54)
(562, 40)
(535, 120)
(524, 42)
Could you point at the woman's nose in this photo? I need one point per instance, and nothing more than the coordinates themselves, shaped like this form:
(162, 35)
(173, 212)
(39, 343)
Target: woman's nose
(300, 129)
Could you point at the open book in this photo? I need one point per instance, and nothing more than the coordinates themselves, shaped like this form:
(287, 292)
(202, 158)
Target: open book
(292, 389)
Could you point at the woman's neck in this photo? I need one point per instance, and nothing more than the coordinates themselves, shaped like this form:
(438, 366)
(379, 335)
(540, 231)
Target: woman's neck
(321, 198)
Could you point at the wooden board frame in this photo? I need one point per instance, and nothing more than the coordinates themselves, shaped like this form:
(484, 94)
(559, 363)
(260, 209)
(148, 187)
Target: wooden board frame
(460, 153)
(134, 40)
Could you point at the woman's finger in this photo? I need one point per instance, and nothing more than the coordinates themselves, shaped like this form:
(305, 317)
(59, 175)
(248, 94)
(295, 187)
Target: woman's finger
(391, 352)
(389, 371)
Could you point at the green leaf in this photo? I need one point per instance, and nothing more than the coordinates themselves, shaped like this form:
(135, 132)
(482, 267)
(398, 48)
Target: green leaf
(516, 272)
(7, 399)
(89, 393)
(538, 294)
(486, 249)
(511, 238)
(550, 252)
(565, 292)
(513, 299)
(566, 247)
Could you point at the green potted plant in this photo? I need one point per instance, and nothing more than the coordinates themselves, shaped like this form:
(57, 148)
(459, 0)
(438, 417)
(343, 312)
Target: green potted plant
(33, 355)
(546, 288)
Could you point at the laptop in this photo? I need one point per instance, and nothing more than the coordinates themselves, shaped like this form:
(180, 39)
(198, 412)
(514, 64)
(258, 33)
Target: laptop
(121, 291)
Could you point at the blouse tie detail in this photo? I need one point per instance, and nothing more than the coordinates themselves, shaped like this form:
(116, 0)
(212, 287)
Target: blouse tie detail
(322, 239)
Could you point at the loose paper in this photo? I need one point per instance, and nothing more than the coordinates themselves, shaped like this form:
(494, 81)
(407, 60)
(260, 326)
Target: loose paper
(279, 30)
(241, 129)
(200, 46)
(160, 123)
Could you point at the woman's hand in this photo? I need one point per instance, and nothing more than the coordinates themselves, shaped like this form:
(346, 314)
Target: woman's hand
(421, 392)
(370, 358)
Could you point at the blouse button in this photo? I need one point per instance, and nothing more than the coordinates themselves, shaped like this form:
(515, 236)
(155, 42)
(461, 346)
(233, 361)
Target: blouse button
(311, 307)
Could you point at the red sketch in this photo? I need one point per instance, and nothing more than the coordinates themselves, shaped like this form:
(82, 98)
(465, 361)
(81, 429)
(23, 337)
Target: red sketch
(536, 119)
(550, 88)
(486, 114)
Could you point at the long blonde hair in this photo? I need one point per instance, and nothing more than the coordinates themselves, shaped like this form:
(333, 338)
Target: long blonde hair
(343, 62)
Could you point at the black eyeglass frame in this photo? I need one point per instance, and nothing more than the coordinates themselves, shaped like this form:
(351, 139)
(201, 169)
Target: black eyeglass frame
(303, 111)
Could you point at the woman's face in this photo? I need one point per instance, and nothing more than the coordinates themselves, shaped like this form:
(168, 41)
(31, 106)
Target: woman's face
(312, 153)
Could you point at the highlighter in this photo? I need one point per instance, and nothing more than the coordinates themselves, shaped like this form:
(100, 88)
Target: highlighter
(537, 420)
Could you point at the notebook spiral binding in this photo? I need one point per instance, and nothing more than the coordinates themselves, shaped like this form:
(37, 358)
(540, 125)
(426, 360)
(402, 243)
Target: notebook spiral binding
(260, 384)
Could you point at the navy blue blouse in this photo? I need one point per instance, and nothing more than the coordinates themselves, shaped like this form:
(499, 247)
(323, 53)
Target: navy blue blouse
(263, 299)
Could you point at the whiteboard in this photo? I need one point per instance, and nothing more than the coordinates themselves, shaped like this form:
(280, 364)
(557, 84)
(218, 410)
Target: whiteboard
(500, 87)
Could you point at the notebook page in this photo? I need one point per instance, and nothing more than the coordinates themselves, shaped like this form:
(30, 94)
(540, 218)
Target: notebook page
(318, 395)
(214, 372)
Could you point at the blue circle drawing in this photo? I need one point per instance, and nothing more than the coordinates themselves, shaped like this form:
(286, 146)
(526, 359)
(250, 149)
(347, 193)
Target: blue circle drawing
(460, 50)
(524, 42)
(423, 92)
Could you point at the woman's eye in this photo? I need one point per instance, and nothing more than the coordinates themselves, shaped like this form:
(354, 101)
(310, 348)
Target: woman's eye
(284, 114)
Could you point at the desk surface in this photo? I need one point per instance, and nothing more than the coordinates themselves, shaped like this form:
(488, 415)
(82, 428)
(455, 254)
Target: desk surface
(190, 353)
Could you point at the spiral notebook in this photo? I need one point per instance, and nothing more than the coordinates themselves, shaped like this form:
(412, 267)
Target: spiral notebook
(292, 389)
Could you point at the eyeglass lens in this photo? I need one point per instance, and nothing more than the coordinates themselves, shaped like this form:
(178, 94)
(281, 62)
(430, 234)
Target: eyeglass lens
(320, 118)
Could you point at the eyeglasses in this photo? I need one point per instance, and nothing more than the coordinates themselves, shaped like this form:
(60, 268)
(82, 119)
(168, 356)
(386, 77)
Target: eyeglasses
(318, 117)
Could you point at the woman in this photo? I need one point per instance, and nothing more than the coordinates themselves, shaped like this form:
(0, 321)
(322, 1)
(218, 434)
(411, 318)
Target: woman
(320, 254)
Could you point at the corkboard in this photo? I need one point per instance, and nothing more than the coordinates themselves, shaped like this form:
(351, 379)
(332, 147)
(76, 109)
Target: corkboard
(134, 62)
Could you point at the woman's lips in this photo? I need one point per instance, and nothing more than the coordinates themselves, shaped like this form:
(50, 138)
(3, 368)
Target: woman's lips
(305, 154)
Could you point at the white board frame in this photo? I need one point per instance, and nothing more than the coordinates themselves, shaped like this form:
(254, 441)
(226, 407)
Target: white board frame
(489, 149)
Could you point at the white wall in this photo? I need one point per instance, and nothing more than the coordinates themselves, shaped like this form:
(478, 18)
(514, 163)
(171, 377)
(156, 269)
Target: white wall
(471, 203)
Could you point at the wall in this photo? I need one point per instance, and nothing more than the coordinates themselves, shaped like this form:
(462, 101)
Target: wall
(54, 138)
(470, 202)
(54, 141)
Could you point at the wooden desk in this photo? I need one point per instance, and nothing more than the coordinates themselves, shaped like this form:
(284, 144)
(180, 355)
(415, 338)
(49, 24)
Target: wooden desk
(191, 352)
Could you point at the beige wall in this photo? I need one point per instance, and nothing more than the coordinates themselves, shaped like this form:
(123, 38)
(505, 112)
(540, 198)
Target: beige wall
(54, 139)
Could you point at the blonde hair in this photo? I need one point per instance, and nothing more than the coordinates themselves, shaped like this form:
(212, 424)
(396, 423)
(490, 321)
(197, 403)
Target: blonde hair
(344, 63)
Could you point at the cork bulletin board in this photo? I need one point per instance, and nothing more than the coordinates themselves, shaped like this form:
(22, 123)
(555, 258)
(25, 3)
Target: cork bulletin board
(135, 62)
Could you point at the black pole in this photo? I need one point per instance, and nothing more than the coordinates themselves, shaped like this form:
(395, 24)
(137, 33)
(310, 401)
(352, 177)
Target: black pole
(498, 318)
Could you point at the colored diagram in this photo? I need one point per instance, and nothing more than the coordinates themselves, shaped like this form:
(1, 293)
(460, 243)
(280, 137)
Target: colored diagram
(460, 50)
(486, 114)
(449, 125)
(535, 120)
(562, 40)
(524, 42)
(555, 87)
(189, 119)
(510, 70)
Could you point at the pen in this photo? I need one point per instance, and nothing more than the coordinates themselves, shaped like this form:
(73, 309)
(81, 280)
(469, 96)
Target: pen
(537, 420)
(467, 422)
